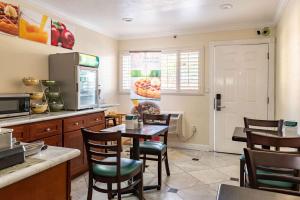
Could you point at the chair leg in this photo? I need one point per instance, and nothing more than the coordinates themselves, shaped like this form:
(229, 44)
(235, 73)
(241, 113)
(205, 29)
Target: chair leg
(90, 188)
(242, 172)
(119, 190)
(144, 162)
(159, 172)
(167, 164)
(109, 189)
(141, 187)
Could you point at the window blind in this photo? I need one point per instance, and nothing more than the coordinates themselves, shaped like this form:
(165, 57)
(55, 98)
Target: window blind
(169, 71)
(189, 70)
(126, 70)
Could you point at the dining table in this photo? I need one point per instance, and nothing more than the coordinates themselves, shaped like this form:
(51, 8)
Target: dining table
(240, 135)
(145, 133)
(230, 192)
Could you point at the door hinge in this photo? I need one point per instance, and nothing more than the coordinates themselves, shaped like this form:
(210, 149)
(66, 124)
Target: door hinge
(268, 56)
(268, 100)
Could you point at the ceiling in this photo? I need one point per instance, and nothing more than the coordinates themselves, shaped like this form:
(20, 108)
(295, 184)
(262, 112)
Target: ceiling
(164, 17)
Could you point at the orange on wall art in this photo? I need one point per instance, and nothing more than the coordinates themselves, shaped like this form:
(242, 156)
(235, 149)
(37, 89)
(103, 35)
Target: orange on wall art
(34, 26)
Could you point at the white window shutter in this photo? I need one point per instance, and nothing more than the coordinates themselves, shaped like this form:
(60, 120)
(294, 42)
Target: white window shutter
(169, 71)
(189, 70)
(126, 72)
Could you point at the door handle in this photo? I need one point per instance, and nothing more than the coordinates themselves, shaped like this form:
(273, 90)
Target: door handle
(218, 105)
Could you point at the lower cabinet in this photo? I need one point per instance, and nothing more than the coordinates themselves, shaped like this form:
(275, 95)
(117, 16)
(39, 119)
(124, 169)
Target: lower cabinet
(63, 132)
(74, 140)
(55, 140)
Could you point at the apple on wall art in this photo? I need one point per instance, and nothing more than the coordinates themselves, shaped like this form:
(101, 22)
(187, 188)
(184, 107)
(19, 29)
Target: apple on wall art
(62, 34)
(34, 26)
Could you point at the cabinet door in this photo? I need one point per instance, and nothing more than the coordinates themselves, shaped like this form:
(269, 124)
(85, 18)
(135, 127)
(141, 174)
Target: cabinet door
(74, 140)
(21, 133)
(55, 140)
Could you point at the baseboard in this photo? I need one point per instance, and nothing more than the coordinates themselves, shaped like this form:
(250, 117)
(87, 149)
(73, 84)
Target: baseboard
(190, 146)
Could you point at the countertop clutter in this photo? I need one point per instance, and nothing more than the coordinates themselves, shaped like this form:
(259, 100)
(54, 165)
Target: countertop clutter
(42, 161)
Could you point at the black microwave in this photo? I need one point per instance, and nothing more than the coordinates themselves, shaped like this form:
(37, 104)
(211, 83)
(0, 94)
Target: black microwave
(12, 105)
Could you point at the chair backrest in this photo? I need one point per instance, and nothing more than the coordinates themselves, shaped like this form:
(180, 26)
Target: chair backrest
(265, 159)
(264, 124)
(97, 148)
(162, 119)
(254, 139)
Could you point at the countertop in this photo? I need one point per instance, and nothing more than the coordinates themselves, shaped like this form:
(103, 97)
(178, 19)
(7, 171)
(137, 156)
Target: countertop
(49, 116)
(48, 158)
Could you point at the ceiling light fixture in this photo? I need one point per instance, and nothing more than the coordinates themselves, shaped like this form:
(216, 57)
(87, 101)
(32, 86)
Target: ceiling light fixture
(127, 19)
(226, 6)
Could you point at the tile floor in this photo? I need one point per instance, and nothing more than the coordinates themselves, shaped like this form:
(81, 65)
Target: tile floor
(193, 180)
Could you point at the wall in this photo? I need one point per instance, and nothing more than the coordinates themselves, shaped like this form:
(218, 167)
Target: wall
(288, 63)
(195, 108)
(22, 58)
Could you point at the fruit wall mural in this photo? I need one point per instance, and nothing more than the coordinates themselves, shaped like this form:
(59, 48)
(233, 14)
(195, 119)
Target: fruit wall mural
(62, 35)
(34, 26)
(9, 18)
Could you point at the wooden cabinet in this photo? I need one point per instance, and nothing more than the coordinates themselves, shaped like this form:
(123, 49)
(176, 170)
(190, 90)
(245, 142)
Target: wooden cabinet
(73, 123)
(21, 133)
(73, 138)
(45, 129)
(55, 140)
(94, 119)
(63, 132)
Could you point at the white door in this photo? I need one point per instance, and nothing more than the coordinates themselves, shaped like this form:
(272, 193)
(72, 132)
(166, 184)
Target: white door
(241, 79)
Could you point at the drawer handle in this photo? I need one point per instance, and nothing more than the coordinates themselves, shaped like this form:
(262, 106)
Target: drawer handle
(48, 129)
(76, 124)
(97, 119)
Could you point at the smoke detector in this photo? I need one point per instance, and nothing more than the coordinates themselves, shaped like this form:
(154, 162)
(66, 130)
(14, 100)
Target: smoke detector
(226, 6)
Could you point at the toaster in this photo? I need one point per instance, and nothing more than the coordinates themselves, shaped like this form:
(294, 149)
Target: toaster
(5, 138)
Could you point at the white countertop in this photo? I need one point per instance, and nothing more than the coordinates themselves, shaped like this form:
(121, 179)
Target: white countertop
(47, 116)
(51, 157)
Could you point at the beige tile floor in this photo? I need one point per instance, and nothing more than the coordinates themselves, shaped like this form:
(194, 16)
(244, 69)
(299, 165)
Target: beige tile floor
(194, 180)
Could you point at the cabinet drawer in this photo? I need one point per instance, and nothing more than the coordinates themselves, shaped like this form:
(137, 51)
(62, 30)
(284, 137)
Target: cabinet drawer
(73, 123)
(55, 140)
(94, 119)
(97, 128)
(45, 129)
(21, 133)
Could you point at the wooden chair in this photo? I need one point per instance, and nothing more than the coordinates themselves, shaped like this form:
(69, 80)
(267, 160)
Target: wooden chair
(157, 150)
(107, 166)
(275, 160)
(260, 126)
(275, 144)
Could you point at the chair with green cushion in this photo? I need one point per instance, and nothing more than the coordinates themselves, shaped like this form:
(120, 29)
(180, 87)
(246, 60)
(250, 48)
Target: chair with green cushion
(274, 182)
(276, 125)
(291, 145)
(156, 149)
(106, 165)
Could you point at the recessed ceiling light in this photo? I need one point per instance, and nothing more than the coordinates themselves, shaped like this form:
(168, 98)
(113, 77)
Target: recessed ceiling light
(226, 6)
(127, 19)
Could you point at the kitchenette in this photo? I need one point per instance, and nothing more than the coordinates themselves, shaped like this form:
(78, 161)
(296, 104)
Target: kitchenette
(40, 134)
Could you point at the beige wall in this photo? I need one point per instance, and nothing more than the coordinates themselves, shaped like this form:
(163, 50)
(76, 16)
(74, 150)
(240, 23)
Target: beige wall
(195, 108)
(288, 63)
(20, 58)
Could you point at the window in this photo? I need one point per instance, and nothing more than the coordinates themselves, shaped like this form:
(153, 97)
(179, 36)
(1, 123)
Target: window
(126, 72)
(180, 72)
(189, 70)
(169, 71)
